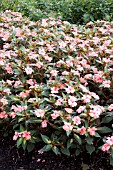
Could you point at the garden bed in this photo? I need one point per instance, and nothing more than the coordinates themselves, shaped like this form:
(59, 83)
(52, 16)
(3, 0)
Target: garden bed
(12, 158)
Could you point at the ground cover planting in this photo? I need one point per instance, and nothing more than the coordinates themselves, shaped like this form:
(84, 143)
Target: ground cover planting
(56, 84)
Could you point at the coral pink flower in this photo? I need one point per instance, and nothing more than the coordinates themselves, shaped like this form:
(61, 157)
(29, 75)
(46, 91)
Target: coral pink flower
(92, 131)
(110, 107)
(105, 147)
(54, 73)
(67, 126)
(110, 141)
(39, 64)
(86, 98)
(24, 94)
(80, 109)
(26, 135)
(59, 102)
(76, 120)
(65, 73)
(7, 91)
(72, 101)
(69, 110)
(82, 130)
(39, 113)
(70, 89)
(8, 69)
(55, 114)
(44, 124)
(3, 115)
(15, 136)
(106, 83)
(17, 83)
(54, 90)
(98, 78)
(4, 101)
(31, 82)
(28, 70)
(13, 115)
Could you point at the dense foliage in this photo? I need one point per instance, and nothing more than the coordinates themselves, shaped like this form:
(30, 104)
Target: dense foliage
(74, 11)
(56, 84)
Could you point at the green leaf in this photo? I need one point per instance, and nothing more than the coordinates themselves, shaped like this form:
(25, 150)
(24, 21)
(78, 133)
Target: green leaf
(19, 142)
(78, 139)
(55, 150)
(21, 119)
(21, 128)
(89, 140)
(24, 144)
(77, 152)
(104, 129)
(46, 148)
(45, 139)
(68, 132)
(30, 147)
(90, 149)
(107, 119)
(69, 142)
(65, 151)
(14, 98)
(111, 161)
(97, 135)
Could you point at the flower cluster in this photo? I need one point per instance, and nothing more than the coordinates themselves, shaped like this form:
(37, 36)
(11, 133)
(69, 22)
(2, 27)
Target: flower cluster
(56, 79)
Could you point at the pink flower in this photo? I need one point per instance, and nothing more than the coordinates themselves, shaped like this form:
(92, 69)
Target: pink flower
(13, 115)
(72, 101)
(8, 69)
(80, 109)
(69, 110)
(39, 64)
(24, 94)
(82, 130)
(98, 78)
(105, 147)
(55, 114)
(28, 70)
(110, 141)
(15, 136)
(54, 90)
(4, 101)
(59, 102)
(39, 113)
(7, 91)
(31, 82)
(17, 83)
(65, 73)
(67, 126)
(76, 120)
(54, 73)
(110, 107)
(86, 98)
(26, 135)
(92, 131)
(3, 115)
(70, 89)
(44, 124)
(106, 83)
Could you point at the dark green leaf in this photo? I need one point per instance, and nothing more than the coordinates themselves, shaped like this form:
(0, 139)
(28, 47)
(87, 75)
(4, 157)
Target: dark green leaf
(55, 150)
(90, 149)
(65, 151)
(78, 139)
(104, 129)
(45, 139)
(30, 147)
(19, 142)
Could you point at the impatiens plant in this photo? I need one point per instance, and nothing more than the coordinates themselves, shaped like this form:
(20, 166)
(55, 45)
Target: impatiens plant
(56, 84)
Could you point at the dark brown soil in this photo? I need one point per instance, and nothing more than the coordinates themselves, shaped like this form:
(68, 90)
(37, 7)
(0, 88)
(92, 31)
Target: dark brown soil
(12, 158)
